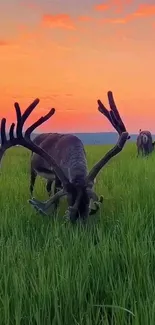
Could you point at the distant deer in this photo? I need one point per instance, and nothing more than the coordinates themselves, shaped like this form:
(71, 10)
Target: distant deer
(145, 145)
(67, 159)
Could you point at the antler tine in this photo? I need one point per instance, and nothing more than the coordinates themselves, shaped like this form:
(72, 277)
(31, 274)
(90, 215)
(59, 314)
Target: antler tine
(3, 132)
(40, 121)
(111, 153)
(113, 105)
(11, 132)
(5, 144)
(102, 109)
(29, 110)
(110, 116)
(22, 118)
(114, 115)
(117, 123)
(19, 116)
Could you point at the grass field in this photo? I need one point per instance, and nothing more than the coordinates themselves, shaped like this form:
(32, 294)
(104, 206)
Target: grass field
(52, 272)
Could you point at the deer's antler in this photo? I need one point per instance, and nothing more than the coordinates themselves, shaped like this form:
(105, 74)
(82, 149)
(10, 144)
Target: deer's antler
(114, 117)
(24, 140)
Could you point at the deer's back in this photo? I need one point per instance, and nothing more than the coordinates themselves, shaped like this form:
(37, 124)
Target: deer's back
(40, 138)
(67, 150)
(46, 141)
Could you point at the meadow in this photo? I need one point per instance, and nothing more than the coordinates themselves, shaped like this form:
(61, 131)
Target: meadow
(52, 272)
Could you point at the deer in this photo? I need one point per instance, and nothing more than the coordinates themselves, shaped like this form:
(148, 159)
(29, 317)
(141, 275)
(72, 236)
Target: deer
(68, 160)
(145, 144)
(47, 141)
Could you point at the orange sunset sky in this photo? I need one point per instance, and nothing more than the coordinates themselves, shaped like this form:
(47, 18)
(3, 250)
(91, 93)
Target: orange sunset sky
(69, 53)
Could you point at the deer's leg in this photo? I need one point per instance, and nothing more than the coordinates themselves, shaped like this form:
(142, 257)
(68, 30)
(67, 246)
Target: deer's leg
(32, 181)
(49, 186)
(146, 151)
(142, 151)
(47, 174)
(138, 151)
(57, 187)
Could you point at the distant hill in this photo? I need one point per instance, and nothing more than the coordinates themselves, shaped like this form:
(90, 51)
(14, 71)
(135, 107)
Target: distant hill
(101, 138)
(96, 138)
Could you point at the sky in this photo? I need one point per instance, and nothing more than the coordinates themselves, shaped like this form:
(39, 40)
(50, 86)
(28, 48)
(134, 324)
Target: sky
(69, 53)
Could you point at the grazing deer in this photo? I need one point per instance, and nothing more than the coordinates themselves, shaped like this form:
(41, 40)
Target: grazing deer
(145, 145)
(39, 166)
(68, 159)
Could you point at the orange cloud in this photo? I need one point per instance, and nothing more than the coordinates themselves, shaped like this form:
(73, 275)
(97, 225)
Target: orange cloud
(63, 21)
(4, 43)
(120, 4)
(102, 7)
(144, 10)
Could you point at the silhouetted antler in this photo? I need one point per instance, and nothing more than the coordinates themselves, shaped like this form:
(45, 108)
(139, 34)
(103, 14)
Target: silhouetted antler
(25, 140)
(18, 138)
(115, 119)
(113, 115)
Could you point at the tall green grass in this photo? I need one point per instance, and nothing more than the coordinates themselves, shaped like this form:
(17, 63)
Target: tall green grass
(52, 272)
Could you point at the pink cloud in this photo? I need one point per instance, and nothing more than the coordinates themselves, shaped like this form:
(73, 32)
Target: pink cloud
(144, 10)
(29, 4)
(63, 21)
(118, 5)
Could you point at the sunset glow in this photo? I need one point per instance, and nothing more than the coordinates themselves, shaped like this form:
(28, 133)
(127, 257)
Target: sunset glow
(69, 53)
